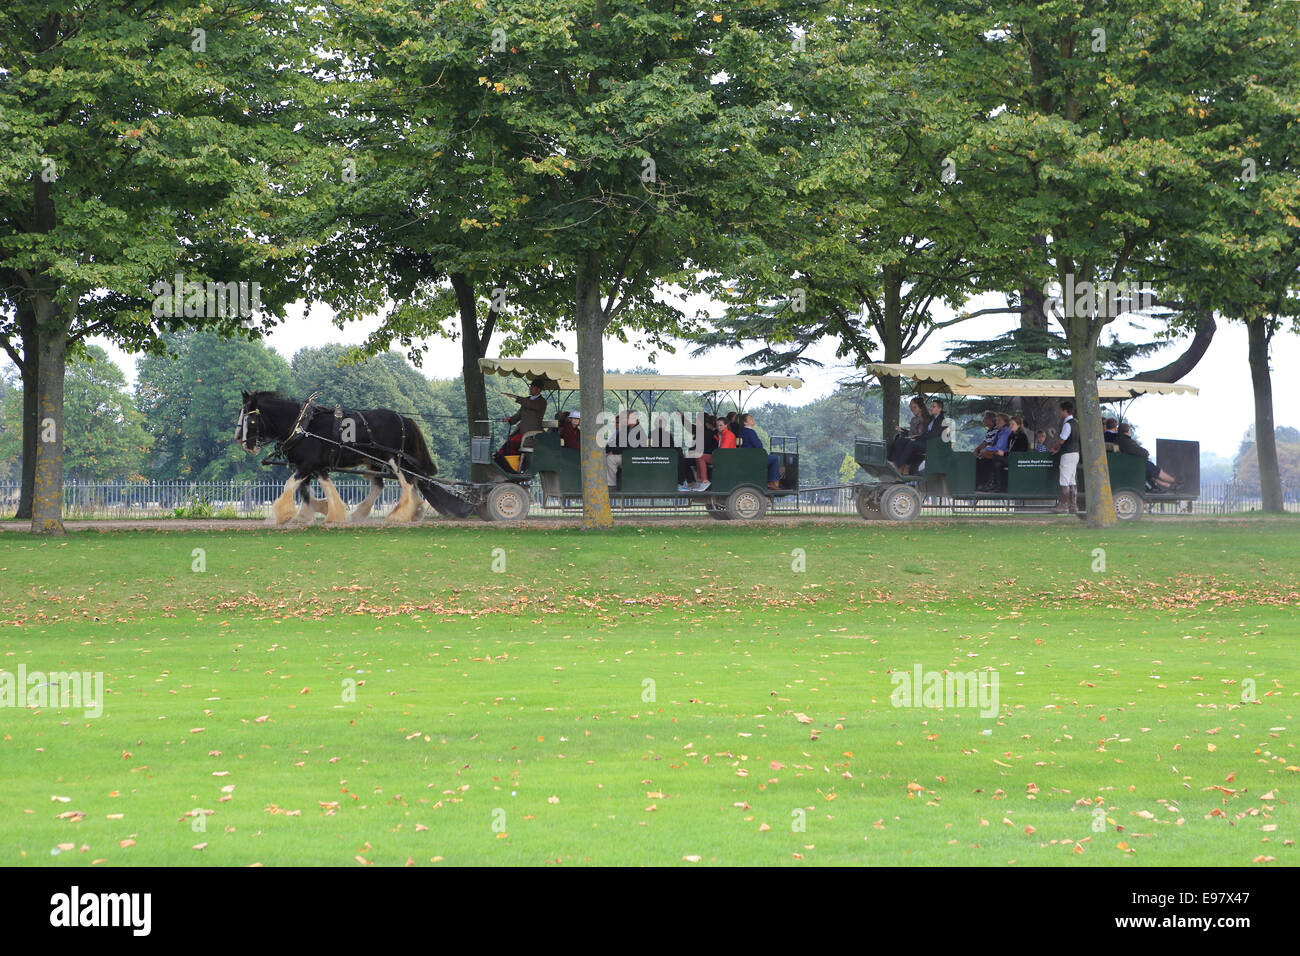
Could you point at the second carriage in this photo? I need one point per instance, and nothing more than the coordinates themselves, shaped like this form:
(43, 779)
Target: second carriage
(648, 479)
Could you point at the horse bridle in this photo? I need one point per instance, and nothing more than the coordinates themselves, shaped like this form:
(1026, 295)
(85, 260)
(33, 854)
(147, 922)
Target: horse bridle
(244, 416)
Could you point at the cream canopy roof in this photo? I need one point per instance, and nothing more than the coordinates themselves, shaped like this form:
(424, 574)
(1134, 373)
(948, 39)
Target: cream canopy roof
(562, 373)
(953, 380)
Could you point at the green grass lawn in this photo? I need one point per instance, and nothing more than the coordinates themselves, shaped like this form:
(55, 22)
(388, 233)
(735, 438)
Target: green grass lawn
(528, 695)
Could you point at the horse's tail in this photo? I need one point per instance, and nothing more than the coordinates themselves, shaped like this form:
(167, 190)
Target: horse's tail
(417, 450)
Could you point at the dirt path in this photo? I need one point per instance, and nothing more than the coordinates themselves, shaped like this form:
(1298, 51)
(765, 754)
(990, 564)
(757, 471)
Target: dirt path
(546, 522)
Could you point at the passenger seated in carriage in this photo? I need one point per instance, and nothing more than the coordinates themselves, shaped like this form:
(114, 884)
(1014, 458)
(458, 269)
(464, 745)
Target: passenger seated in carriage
(908, 448)
(934, 427)
(749, 438)
(1001, 448)
(692, 471)
(1157, 478)
(1110, 431)
(1016, 440)
(627, 429)
(984, 452)
(725, 433)
(567, 425)
(710, 444)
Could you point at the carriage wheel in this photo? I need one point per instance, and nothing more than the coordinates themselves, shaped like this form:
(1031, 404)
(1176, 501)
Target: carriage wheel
(869, 506)
(507, 502)
(900, 503)
(1128, 505)
(746, 504)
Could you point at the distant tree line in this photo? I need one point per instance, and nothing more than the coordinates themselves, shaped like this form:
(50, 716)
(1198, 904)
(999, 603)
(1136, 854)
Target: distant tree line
(179, 421)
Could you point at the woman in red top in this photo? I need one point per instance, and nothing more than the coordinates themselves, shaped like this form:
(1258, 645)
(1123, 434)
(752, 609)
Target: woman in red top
(726, 437)
(569, 435)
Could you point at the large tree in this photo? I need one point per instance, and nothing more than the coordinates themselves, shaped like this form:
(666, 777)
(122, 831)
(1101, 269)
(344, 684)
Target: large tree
(426, 211)
(595, 144)
(1095, 154)
(1243, 259)
(142, 140)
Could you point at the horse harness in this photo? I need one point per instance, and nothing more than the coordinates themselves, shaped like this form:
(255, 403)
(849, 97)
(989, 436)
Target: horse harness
(307, 417)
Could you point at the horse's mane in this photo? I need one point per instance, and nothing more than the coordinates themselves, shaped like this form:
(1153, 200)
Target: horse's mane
(269, 393)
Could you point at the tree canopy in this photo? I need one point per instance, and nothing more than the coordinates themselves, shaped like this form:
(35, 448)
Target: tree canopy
(190, 399)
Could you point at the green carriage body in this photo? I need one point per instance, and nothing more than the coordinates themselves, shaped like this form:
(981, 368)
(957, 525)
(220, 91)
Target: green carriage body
(651, 473)
(1032, 477)
(647, 477)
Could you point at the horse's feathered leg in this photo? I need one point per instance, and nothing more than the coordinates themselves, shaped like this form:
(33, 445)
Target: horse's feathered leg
(363, 508)
(337, 511)
(282, 507)
(319, 506)
(307, 504)
(407, 508)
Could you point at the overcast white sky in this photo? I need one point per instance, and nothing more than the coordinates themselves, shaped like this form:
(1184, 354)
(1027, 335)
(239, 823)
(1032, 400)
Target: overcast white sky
(1217, 417)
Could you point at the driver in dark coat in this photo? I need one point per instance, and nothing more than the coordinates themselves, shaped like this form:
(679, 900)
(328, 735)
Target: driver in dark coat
(532, 409)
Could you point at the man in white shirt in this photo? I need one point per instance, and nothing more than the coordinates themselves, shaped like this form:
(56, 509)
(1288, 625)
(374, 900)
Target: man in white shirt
(1067, 447)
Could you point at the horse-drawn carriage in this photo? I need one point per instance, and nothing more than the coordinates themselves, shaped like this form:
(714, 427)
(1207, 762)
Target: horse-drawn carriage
(317, 441)
(742, 483)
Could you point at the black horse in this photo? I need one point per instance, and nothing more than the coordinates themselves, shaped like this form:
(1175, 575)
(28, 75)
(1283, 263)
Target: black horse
(316, 441)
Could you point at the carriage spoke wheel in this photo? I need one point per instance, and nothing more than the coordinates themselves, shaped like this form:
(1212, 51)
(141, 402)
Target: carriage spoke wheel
(1128, 505)
(900, 503)
(746, 504)
(507, 502)
(869, 506)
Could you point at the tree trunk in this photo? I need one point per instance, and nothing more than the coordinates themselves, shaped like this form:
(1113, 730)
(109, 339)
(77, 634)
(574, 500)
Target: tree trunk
(590, 324)
(1082, 335)
(51, 349)
(472, 349)
(30, 387)
(1039, 413)
(892, 336)
(1258, 334)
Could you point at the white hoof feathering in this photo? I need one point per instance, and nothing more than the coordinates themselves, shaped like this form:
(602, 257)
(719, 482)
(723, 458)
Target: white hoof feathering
(336, 511)
(363, 508)
(319, 506)
(282, 510)
(407, 508)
